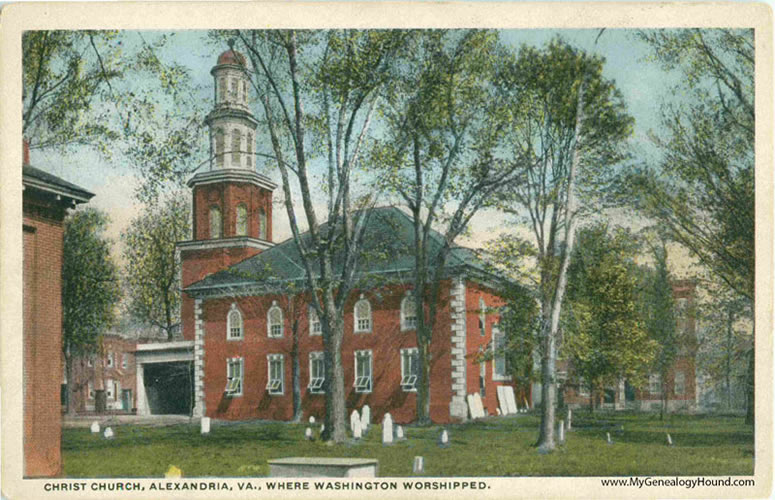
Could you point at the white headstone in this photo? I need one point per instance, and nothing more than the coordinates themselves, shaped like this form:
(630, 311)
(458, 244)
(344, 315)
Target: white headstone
(366, 416)
(95, 427)
(511, 403)
(418, 466)
(444, 437)
(502, 400)
(354, 420)
(471, 406)
(204, 425)
(387, 429)
(570, 417)
(399, 432)
(561, 431)
(108, 433)
(608, 438)
(478, 405)
(358, 430)
(669, 440)
(308, 433)
(322, 428)
(311, 419)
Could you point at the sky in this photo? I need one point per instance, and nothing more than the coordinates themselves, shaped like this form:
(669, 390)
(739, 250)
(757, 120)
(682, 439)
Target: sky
(644, 86)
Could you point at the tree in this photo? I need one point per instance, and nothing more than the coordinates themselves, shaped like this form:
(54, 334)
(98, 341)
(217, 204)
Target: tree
(604, 337)
(318, 93)
(443, 130)
(567, 126)
(90, 289)
(152, 263)
(702, 190)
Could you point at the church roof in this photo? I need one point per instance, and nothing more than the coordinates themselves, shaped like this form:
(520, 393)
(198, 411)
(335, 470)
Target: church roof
(386, 253)
(38, 179)
(231, 56)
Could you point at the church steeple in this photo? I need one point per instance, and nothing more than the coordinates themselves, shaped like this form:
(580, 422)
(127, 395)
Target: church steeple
(232, 126)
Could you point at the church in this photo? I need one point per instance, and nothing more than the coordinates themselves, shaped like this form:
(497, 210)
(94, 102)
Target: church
(245, 315)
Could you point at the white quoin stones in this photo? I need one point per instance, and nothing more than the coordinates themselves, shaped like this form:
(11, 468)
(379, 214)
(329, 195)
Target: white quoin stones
(95, 427)
(669, 440)
(355, 421)
(108, 433)
(387, 429)
(311, 419)
(399, 433)
(561, 431)
(418, 466)
(204, 425)
(444, 439)
(366, 416)
(308, 433)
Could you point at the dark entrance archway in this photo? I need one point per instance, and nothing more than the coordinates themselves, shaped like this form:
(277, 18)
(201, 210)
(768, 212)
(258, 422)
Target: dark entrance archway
(169, 387)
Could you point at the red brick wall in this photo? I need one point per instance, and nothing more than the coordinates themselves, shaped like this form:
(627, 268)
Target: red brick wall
(385, 341)
(227, 196)
(99, 372)
(42, 344)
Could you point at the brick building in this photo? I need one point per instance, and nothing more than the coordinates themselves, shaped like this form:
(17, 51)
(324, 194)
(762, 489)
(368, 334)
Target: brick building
(45, 200)
(241, 320)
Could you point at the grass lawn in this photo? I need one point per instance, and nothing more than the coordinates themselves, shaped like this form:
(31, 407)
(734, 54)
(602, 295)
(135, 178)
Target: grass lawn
(493, 447)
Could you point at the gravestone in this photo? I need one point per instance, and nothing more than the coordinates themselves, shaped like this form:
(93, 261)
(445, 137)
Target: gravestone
(478, 405)
(387, 429)
(502, 400)
(608, 438)
(354, 420)
(322, 428)
(444, 439)
(399, 433)
(358, 430)
(418, 466)
(471, 407)
(511, 403)
(669, 440)
(561, 431)
(95, 427)
(108, 433)
(308, 433)
(366, 416)
(311, 419)
(204, 425)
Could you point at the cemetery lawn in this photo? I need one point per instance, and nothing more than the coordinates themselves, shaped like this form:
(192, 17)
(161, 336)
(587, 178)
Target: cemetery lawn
(496, 446)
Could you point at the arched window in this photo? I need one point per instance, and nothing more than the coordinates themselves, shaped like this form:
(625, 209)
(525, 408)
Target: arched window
(234, 323)
(275, 321)
(236, 145)
(219, 145)
(242, 220)
(482, 317)
(221, 89)
(233, 93)
(244, 91)
(249, 156)
(215, 222)
(362, 315)
(408, 312)
(261, 224)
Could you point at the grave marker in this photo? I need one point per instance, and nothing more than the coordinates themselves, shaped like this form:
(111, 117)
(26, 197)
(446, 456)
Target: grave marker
(354, 420)
(109, 433)
(311, 419)
(502, 400)
(399, 433)
(366, 416)
(358, 430)
(608, 438)
(204, 425)
(418, 466)
(308, 433)
(561, 431)
(444, 439)
(478, 405)
(511, 403)
(669, 440)
(95, 427)
(387, 429)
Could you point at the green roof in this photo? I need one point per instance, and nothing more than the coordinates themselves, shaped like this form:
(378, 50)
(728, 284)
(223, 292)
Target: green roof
(386, 251)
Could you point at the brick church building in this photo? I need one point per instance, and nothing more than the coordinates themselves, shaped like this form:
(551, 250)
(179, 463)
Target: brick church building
(245, 326)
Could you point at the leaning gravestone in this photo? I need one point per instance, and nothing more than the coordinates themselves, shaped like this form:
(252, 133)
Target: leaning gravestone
(355, 420)
(502, 400)
(471, 407)
(95, 427)
(478, 405)
(366, 416)
(204, 425)
(511, 403)
(387, 429)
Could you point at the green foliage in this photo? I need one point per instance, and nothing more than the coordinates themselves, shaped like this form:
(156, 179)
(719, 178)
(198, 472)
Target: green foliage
(151, 273)
(90, 285)
(604, 337)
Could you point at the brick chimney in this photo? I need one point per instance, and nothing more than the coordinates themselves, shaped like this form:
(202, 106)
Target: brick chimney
(26, 157)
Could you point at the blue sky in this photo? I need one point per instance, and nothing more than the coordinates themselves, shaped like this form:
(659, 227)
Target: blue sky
(643, 84)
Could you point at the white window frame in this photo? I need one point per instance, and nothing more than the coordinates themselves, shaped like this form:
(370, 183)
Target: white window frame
(316, 384)
(315, 327)
(124, 361)
(270, 330)
(275, 386)
(409, 380)
(357, 327)
(110, 389)
(363, 384)
(234, 311)
(406, 324)
(498, 377)
(482, 318)
(234, 389)
(109, 360)
(683, 383)
(655, 380)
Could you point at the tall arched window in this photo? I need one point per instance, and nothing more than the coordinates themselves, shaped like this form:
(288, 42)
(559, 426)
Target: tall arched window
(482, 317)
(275, 321)
(234, 323)
(408, 312)
(261, 224)
(219, 144)
(215, 222)
(362, 315)
(236, 145)
(249, 156)
(241, 228)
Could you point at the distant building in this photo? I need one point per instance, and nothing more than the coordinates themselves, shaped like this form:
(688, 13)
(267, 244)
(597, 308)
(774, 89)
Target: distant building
(45, 200)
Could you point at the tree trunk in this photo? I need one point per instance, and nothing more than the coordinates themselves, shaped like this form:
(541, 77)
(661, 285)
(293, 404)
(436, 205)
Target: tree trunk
(423, 385)
(296, 375)
(750, 388)
(70, 385)
(336, 426)
(728, 364)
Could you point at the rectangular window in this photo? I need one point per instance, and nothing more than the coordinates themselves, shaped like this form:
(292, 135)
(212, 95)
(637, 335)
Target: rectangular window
(125, 361)
(410, 369)
(362, 371)
(109, 389)
(317, 373)
(655, 384)
(315, 328)
(276, 379)
(500, 365)
(109, 360)
(90, 388)
(234, 371)
(679, 384)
